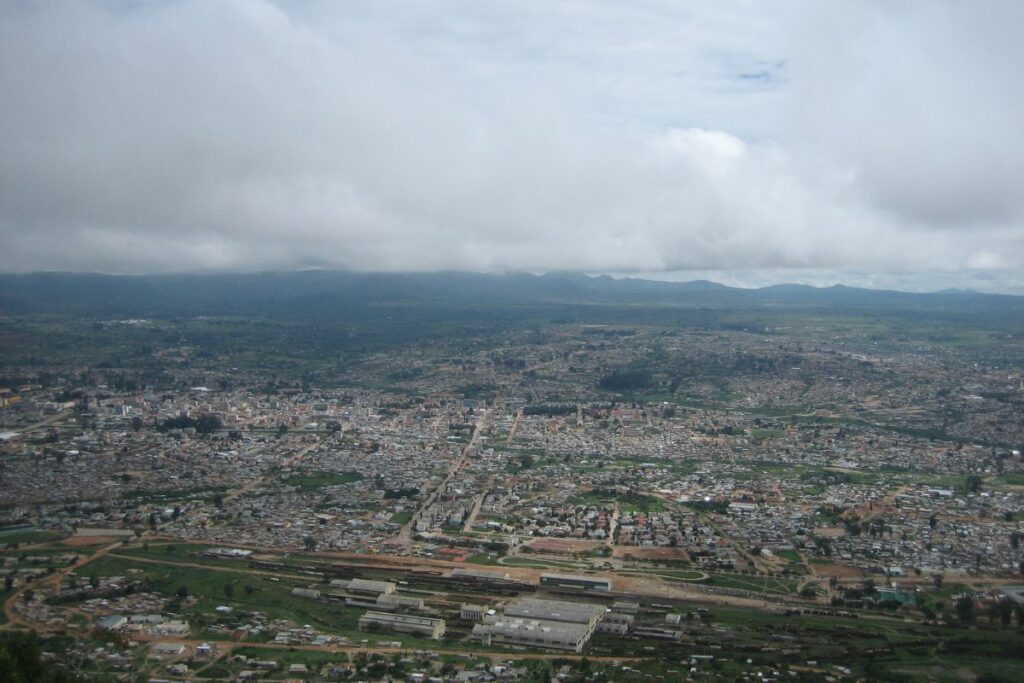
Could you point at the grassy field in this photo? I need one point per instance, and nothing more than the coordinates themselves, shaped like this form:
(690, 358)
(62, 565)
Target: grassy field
(402, 517)
(757, 584)
(180, 553)
(789, 555)
(681, 574)
(286, 657)
(483, 558)
(22, 536)
(537, 562)
(628, 502)
(57, 549)
(311, 482)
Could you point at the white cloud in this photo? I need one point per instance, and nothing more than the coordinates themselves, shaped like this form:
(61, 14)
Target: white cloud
(218, 134)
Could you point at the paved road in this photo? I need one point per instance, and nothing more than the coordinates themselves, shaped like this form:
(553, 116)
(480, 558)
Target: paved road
(613, 524)
(477, 504)
(515, 425)
(405, 535)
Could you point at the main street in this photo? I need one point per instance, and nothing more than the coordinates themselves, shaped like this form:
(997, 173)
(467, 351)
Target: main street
(406, 532)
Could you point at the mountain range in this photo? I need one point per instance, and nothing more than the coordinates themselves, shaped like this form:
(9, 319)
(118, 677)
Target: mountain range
(321, 293)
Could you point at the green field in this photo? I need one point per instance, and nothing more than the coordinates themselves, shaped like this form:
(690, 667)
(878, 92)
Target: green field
(21, 536)
(628, 502)
(1014, 479)
(757, 584)
(402, 517)
(537, 562)
(42, 551)
(483, 558)
(679, 574)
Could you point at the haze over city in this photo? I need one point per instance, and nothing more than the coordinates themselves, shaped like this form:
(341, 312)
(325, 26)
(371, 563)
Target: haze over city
(869, 143)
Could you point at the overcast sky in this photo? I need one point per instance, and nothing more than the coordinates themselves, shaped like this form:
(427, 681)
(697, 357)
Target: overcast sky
(875, 143)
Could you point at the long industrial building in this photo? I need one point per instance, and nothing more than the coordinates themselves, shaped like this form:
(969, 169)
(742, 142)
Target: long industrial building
(556, 610)
(549, 624)
(404, 623)
(365, 586)
(552, 635)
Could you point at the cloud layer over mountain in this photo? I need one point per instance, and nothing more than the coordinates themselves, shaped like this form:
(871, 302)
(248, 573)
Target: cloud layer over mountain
(652, 136)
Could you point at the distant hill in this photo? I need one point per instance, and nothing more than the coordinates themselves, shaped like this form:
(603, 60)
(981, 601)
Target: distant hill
(333, 294)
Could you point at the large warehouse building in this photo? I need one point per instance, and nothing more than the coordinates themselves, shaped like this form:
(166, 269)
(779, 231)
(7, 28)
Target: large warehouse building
(549, 624)
(403, 623)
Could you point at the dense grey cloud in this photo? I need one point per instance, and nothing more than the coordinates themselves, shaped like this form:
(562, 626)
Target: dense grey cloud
(871, 138)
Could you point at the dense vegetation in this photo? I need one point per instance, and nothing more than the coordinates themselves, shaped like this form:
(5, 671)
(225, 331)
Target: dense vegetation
(626, 381)
(203, 424)
(21, 661)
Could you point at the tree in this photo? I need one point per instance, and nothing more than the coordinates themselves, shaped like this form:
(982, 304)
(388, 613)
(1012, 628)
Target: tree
(203, 424)
(207, 424)
(229, 590)
(21, 661)
(989, 677)
(625, 381)
(993, 612)
(309, 543)
(965, 610)
(1005, 612)
(182, 592)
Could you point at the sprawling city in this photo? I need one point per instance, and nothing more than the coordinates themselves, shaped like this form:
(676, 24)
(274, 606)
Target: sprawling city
(533, 341)
(765, 494)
